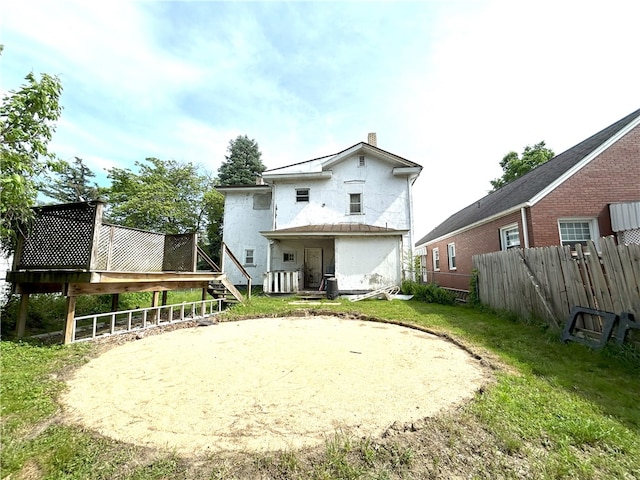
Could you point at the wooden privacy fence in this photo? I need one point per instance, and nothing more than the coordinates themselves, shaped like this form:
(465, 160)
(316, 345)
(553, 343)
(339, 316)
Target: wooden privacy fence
(547, 282)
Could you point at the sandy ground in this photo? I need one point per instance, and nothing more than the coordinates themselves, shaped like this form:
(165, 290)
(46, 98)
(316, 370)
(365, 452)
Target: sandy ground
(268, 384)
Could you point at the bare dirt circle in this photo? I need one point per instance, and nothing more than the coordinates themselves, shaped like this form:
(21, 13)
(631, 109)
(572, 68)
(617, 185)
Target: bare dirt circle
(269, 384)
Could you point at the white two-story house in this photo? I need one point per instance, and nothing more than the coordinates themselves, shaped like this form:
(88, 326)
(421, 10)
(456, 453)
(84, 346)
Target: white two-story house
(347, 216)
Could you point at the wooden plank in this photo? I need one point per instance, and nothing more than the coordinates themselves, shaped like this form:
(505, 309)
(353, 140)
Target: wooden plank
(112, 288)
(69, 322)
(603, 296)
(615, 275)
(631, 280)
(138, 277)
(21, 325)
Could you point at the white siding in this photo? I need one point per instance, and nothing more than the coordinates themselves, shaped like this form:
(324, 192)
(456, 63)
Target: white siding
(384, 197)
(367, 263)
(242, 226)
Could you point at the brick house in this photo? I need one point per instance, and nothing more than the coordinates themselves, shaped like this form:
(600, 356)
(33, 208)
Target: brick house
(589, 191)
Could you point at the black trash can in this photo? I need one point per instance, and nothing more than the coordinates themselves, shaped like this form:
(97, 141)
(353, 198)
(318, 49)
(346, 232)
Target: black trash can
(332, 288)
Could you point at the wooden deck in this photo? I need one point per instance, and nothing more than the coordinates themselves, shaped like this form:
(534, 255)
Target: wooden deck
(71, 251)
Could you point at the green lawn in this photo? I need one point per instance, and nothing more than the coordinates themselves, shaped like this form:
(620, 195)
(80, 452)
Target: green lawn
(555, 411)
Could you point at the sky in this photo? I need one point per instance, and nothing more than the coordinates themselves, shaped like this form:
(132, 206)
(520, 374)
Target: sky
(451, 85)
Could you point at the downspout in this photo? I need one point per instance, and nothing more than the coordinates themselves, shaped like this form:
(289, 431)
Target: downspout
(273, 224)
(525, 229)
(410, 182)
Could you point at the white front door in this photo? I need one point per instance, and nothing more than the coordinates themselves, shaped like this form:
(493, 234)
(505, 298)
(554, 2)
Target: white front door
(312, 267)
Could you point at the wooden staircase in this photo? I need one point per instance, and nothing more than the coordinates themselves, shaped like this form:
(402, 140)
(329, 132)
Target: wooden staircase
(221, 287)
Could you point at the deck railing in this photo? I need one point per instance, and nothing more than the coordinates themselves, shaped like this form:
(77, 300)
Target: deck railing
(74, 237)
(281, 282)
(90, 327)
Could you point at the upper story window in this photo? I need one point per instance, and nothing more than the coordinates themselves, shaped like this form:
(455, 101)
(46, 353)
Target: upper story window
(509, 237)
(577, 230)
(451, 253)
(435, 253)
(361, 161)
(302, 194)
(355, 203)
(289, 257)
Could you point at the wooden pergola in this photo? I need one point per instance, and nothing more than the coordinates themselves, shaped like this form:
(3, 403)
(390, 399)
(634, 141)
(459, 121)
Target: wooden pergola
(69, 250)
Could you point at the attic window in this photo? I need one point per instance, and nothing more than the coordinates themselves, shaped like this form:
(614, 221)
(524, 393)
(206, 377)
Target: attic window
(302, 194)
(361, 161)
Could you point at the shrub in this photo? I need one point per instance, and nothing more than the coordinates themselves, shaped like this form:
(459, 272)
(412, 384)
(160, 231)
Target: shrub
(428, 292)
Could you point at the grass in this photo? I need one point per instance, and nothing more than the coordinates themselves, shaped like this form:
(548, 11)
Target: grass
(555, 411)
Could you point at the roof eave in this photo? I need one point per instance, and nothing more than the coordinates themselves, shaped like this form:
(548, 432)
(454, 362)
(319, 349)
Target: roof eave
(474, 225)
(324, 175)
(274, 234)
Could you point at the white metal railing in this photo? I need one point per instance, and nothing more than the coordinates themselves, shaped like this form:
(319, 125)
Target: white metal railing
(281, 282)
(126, 321)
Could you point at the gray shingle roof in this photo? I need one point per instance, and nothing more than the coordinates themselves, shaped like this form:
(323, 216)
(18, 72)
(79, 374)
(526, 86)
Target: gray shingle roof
(356, 228)
(528, 186)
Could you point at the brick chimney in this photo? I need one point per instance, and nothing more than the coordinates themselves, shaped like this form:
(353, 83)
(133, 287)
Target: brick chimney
(372, 139)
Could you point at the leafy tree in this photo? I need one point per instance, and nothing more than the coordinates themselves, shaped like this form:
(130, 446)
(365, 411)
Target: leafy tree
(27, 123)
(514, 165)
(72, 184)
(243, 164)
(165, 196)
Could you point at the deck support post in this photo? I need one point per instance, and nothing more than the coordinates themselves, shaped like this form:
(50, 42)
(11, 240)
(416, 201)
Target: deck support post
(22, 315)
(115, 300)
(69, 320)
(153, 314)
(165, 296)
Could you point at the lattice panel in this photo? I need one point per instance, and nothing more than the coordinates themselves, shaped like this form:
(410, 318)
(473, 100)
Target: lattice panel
(178, 253)
(627, 237)
(136, 251)
(61, 237)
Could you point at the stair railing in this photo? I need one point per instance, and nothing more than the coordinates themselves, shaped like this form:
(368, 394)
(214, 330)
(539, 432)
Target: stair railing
(226, 250)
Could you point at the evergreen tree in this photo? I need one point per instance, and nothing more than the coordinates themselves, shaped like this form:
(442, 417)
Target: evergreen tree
(243, 164)
(72, 184)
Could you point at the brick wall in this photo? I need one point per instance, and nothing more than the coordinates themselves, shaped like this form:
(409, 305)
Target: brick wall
(614, 176)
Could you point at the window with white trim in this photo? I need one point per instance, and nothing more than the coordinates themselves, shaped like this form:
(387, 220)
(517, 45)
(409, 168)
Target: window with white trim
(451, 254)
(361, 161)
(249, 258)
(577, 230)
(435, 254)
(355, 203)
(289, 257)
(302, 194)
(509, 237)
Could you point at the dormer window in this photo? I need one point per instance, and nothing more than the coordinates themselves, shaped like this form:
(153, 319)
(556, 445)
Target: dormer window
(302, 194)
(361, 161)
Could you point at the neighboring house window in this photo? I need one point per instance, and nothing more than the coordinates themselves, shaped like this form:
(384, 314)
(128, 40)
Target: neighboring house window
(577, 230)
(248, 256)
(302, 194)
(361, 161)
(509, 237)
(289, 257)
(451, 253)
(436, 259)
(355, 203)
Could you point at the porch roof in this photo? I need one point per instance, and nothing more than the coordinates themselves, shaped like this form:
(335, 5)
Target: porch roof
(333, 230)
